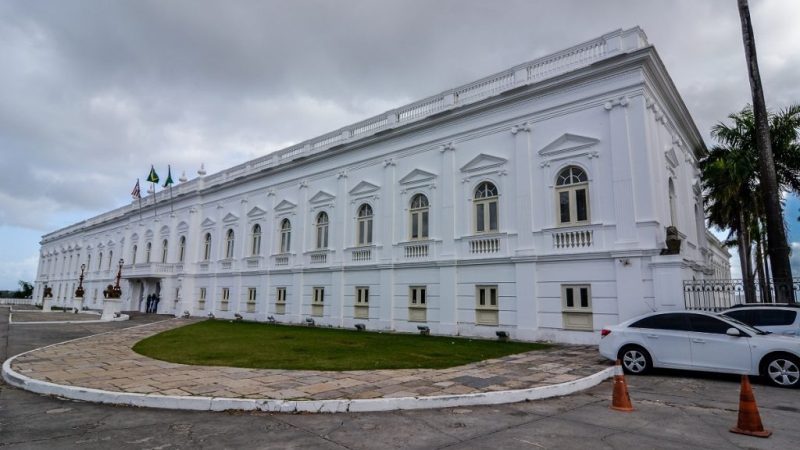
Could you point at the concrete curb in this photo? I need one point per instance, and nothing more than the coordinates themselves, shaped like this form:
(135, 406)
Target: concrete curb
(121, 318)
(198, 403)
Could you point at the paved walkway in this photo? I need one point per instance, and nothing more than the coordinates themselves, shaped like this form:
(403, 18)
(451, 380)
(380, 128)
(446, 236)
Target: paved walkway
(106, 362)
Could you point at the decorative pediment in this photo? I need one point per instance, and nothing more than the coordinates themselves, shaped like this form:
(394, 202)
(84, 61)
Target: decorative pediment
(321, 197)
(364, 187)
(672, 157)
(568, 143)
(417, 176)
(256, 212)
(148, 234)
(164, 230)
(482, 162)
(208, 223)
(285, 205)
(230, 217)
(183, 226)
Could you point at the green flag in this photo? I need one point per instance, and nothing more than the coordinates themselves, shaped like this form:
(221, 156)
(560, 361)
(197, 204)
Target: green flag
(153, 177)
(168, 181)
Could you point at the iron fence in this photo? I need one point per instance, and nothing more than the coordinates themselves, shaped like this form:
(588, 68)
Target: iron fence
(717, 295)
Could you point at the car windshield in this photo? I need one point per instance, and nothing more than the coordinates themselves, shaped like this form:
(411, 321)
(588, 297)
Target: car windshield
(747, 327)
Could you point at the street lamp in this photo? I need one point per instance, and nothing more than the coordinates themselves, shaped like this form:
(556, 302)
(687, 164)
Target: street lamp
(79, 291)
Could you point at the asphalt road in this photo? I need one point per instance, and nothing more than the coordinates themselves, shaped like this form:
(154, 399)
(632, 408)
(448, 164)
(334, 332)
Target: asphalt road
(674, 410)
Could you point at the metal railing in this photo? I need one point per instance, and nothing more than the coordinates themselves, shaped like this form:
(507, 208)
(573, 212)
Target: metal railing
(717, 295)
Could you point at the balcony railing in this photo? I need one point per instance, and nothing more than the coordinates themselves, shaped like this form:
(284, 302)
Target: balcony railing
(318, 257)
(281, 260)
(573, 239)
(361, 255)
(485, 245)
(152, 269)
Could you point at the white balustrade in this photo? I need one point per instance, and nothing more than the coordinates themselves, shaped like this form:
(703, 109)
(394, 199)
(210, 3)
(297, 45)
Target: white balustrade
(416, 251)
(318, 257)
(361, 255)
(484, 245)
(573, 239)
(282, 260)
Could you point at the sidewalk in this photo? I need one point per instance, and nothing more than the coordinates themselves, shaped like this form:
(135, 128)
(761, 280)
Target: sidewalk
(104, 365)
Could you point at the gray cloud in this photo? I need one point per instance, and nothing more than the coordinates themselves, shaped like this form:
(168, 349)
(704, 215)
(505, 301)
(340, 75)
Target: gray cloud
(92, 92)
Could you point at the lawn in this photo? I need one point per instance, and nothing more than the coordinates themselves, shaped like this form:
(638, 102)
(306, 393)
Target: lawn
(268, 346)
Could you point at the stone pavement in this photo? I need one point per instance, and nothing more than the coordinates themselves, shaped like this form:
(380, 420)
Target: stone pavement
(106, 362)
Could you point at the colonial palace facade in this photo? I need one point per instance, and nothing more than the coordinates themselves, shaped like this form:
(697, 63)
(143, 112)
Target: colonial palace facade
(534, 201)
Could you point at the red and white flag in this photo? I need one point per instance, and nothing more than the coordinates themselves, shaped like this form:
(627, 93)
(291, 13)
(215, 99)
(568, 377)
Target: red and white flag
(136, 192)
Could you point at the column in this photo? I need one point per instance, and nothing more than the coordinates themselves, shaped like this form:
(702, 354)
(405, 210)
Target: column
(446, 214)
(523, 190)
(621, 173)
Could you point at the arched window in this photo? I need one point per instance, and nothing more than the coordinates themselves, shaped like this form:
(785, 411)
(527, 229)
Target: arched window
(148, 248)
(255, 249)
(673, 215)
(164, 249)
(419, 217)
(134, 250)
(229, 240)
(100, 261)
(486, 210)
(110, 258)
(572, 196)
(364, 225)
(182, 249)
(207, 247)
(322, 230)
(286, 236)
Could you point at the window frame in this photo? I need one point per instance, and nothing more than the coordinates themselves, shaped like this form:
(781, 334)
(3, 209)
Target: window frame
(482, 208)
(230, 243)
(225, 298)
(419, 216)
(201, 300)
(576, 307)
(280, 295)
(164, 251)
(182, 249)
(364, 225)
(571, 189)
(321, 229)
(255, 242)
(285, 241)
(207, 247)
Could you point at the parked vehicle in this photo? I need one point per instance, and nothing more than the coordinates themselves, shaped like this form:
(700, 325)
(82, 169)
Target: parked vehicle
(778, 318)
(693, 340)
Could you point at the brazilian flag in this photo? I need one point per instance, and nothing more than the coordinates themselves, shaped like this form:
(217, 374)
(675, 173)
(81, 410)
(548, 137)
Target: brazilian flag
(168, 181)
(153, 177)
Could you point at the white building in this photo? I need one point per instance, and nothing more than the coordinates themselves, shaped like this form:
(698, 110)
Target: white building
(533, 201)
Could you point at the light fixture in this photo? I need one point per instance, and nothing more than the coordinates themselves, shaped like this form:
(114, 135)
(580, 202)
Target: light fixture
(423, 330)
(271, 319)
(502, 335)
(310, 321)
(238, 316)
(361, 327)
(186, 314)
(210, 315)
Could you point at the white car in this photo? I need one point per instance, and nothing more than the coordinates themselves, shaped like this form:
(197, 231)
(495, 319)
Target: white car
(778, 318)
(702, 341)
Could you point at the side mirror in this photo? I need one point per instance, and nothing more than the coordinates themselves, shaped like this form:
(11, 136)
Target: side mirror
(733, 332)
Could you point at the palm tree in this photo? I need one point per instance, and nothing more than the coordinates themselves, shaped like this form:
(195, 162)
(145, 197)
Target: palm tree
(733, 187)
(776, 234)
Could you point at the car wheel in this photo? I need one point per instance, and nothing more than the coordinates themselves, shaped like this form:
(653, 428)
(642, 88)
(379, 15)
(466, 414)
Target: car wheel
(782, 370)
(635, 360)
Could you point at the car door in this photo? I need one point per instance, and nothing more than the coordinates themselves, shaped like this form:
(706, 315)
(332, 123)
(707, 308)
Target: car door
(714, 350)
(666, 338)
(778, 321)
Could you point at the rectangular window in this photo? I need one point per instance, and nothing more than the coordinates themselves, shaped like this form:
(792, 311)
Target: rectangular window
(201, 302)
(226, 296)
(415, 226)
(319, 295)
(479, 224)
(577, 306)
(486, 308)
(493, 216)
(417, 300)
(361, 310)
(317, 301)
(251, 300)
(280, 295)
(424, 224)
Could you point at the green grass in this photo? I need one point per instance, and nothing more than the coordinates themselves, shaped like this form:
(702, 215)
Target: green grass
(266, 346)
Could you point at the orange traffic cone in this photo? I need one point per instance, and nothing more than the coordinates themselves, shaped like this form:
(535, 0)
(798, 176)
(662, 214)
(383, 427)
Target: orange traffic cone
(749, 419)
(621, 401)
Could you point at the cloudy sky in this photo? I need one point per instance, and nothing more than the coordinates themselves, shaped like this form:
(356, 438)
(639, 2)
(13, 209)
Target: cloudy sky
(93, 92)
